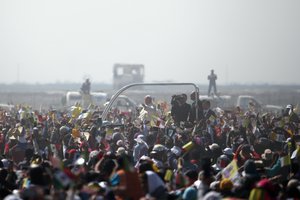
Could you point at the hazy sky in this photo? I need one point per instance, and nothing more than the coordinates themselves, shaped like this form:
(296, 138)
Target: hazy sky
(254, 41)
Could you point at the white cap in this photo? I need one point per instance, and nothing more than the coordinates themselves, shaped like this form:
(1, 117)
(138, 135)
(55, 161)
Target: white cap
(139, 139)
(289, 106)
(228, 151)
(5, 163)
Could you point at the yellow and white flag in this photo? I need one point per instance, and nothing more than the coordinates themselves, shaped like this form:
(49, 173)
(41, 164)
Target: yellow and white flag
(231, 172)
(296, 153)
(285, 161)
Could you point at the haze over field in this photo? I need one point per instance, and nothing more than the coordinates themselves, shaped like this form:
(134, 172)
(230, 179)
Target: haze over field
(65, 41)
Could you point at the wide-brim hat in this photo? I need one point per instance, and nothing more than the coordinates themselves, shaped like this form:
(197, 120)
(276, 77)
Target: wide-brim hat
(159, 148)
(267, 155)
(228, 151)
(93, 154)
(116, 128)
(289, 106)
(120, 143)
(140, 139)
(121, 151)
(214, 146)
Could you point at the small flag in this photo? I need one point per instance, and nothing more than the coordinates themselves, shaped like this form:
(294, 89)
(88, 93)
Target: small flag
(188, 146)
(168, 175)
(231, 172)
(180, 180)
(155, 168)
(246, 122)
(25, 183)
(285, 161)
(277, 137)
(109, 133)
(56, 162)
(76, 110)
(290, 132)
(297, 109)
(212, 119)
(61, 179)
(296, 153)
(86, 115)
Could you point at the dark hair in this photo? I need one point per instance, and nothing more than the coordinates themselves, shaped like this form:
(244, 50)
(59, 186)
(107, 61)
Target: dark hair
(145, 166)
(192, 174)
(36, 175)
(176, 99)
(29, 153)
(107, 166)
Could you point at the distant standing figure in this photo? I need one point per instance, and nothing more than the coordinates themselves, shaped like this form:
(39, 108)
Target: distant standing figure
(196, 105)
(86, 87)
(85, 93)
(212, 82)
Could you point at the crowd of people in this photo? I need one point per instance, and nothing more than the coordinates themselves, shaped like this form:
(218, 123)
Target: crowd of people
(190, 151)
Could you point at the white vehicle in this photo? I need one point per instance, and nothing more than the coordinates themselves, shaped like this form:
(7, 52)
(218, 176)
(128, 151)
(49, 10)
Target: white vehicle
(243, 101)
(7, 107)
(97, 98)
(223, 101)
(124, 104)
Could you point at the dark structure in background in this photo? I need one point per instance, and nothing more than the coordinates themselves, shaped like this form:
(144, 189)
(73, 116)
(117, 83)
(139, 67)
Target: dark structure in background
(124, 74)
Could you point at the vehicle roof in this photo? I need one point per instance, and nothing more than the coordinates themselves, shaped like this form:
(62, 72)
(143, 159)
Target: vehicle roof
(248, 96)
(225, 97)
(6, 106)
(92, 93)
